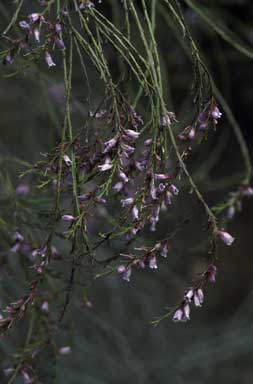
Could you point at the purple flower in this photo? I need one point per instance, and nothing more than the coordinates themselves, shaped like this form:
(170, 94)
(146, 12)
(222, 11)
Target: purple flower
(173, 189)
(152, 222)
(127, 150)
(57, 28)
(161, 188)
(34, 17)
(141, 264)
(195, 294)
(225, 237)
(135, 213)
(49, 59)
(108, 145)
(18, 237)
(192, 133)
(148, 142)
(123, 177)
(131, 134)
(60, 43)
(36, 34)
(161, 176)
(167, 119)
(187, 134)
(152, 262)
(125, 272)
(22, 189)
(231, 212)
(247, 191)
(24, 25)
(153, 194)
(9, 58)
(106, 166)
(198, 297)
(140, 165)
(182, 313)
(118, 186)
(215, 113)
(67, 160)
(65, 350)
(211, 273)
(64, 12)
(164, 249)
(203, 120)
(68, 218)
(100, 200)
(168, 198)
(133, 232)
(26, 377)
(121, 269)
(84, 197)
(154, 218)
(8, 371)
(126, 202)
(45, 307)
(99, 114)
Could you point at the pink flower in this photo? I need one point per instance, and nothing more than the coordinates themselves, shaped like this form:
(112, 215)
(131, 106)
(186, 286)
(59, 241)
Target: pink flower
(187, 134)
(226, 237)
(182, 313)
(216, 114)
(161, 176)
(68, 218)
(173, 189)
(195, 294)
(125, 272)
(22, 189)
(198, 297)
(211, 273)
(34, 17)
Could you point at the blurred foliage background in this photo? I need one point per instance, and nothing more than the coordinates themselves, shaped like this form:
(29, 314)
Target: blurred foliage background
(113, 341)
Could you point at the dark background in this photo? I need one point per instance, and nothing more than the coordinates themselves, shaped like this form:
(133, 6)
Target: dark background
(114, 342)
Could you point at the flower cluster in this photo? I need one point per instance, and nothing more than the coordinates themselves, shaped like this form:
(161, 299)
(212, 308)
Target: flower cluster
(34, 27)
(195, 295)
(209, 116)
(147, 259)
